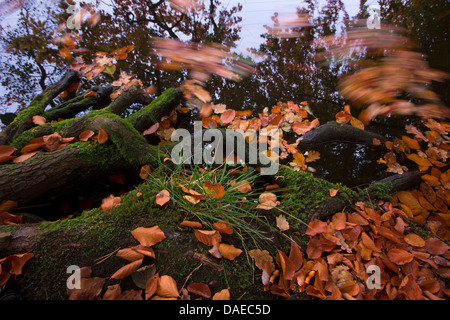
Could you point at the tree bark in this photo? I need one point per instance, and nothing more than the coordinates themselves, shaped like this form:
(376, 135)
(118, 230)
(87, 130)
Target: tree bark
(335, 132)
(24, 121)
(58, 171)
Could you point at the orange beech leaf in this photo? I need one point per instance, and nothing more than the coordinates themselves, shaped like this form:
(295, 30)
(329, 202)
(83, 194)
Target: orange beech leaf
(151, 129)
(146, 251)
(417, 159)
(286, 265)
(6, 152)
(148, 236)
(316, 226)
(215, 252)
(25, 156)
(145, 172)
(74, 86)
(5, 159)
(110, 202)
(268, 201)
(295, 255)
(127, 270)
(209, 123)
(321, 267)
(436, 246)
(206, 110)
(343, 117)
(85, 135)
(7, 218)
(282, 223)
(314, 248)
(227, 116)
(222, 295)
(412, 143)
(355, 122)
(201, 289)
(215, 190)
(399, 256)
(242, 186)
(333, 192)
(151, 286)
(229, 251)
(162, 197)
(131, 295)
(39, 120)
(90, 288)
(263, 259)
(368, 242)
(303, 127)
(223, 227)
(376, 142)
(429, 179)
(90, 94)
(414, 240)
(63, 94)
(299, 159)
(339, 220)
(192, 224)
(208, 237)
(17, 261)
(102, 136)
(112, 292)
(129, 254)
(191, 199)
(312, 156)
(6, 205)
(52, 141)
(149, 90)
(411, 289)
(167, 287)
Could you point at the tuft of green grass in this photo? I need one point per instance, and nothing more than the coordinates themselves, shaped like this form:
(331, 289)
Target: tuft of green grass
(235, 208)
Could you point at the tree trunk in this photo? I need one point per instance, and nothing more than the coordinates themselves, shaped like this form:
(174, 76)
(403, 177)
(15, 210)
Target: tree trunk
(59, 171)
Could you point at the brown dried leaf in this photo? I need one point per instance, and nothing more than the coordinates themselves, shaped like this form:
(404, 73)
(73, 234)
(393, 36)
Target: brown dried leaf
(167, 287)
(282, 223)
(148, 236)
(229, 251)
(222, 295)
(201, 289)
(102, 136)
(127, 270)
(162, 197)
(110, 202)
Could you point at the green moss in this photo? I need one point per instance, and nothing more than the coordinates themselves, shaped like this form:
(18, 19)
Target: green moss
(103, 155)
(307, 193)
(35, 108)
(381, 191)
